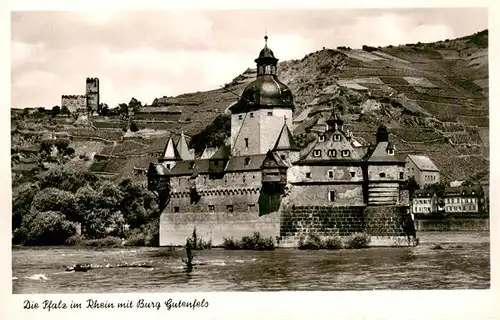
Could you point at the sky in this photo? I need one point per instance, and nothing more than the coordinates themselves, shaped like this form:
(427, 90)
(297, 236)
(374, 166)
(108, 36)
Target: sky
(152, 54)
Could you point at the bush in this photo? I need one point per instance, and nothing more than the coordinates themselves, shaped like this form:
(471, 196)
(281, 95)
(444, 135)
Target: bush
(254, 242)
(333, 243)
(136, 238)
(74, 240)
(105, 242)
(313, 242)
(358, 241)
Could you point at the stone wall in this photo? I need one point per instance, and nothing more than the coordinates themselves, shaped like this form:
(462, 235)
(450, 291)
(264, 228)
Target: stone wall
(388, 226)
(452, 225)
(216, 225)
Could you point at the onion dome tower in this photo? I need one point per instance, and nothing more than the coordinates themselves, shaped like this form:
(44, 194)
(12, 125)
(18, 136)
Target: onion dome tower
(259, 115)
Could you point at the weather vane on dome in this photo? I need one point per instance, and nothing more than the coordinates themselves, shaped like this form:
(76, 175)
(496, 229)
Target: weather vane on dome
(266, 37)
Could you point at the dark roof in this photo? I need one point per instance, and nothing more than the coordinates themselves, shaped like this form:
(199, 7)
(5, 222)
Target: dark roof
(463, 190)
(223, 153)
(422, 193)
(272, 160)
(190, 167)
(238, 163)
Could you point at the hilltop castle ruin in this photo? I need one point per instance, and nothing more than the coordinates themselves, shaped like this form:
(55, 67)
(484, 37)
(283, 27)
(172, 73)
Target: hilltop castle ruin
(88, 102)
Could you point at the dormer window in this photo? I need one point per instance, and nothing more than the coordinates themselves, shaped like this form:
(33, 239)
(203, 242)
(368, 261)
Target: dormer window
(283, 157)
(317, 153)
(308, 175)
(191, 165)
(240, 117)
(336, 137)
(390, 152)
(247, 161)
(346, 153)
(321, 138)
(168, 166)
(382, 174)
(246, 142)
(269, 113)
(251, 114)
(330, 173)
(332, 153)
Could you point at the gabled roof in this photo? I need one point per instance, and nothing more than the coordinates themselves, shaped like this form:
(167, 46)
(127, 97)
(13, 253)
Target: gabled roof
(380, 153)
(183, 149)
(170, 152)
(423, 162)
(422, 193)
(285, 140)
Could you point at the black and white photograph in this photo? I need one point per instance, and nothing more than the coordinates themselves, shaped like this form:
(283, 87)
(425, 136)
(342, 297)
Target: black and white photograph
(249, 150)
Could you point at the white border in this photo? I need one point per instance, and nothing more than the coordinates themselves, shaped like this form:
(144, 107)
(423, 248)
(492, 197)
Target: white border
(457, 304)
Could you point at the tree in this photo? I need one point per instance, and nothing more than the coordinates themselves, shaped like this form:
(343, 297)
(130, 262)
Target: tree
(103, 109)
(56, 110)
(135, 104)
(47, 228)
(133, 127)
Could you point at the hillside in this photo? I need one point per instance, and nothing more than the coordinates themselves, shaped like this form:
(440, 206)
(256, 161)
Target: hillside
(432, 96)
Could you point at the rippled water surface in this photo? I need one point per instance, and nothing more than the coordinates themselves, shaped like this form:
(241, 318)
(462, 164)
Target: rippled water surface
(464, 263)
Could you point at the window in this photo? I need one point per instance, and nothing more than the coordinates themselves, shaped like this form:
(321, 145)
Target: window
(251, 114)
(308, 175)
(230, 208)
(247, 161)
(246, 142)
(283, 157)
(240, 117)
(269, 113)
(251, 206)
(330, 174)
(382, 174)
(332, 153)
(401, 175)
(390, 152)
(321, 138)
(331, 196)
(346, 153)
(317, 153)
(176, 209)
(191, 165)
(211, 207)
(353, 174)
(168, 166)
(336, 137)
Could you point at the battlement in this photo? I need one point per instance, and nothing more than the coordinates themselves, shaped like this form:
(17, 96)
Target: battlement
(74, 96)
(92, 79)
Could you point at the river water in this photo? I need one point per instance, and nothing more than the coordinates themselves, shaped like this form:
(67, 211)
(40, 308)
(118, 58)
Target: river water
(463, 263)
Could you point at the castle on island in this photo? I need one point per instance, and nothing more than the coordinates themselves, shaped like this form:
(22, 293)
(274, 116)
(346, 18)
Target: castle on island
(261, 181)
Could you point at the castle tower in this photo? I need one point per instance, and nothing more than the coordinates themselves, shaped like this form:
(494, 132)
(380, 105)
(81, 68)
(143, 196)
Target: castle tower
(183, 148)
(265, 105)
(385, 171)
(92, 92)
(170, 155)
(285, 145)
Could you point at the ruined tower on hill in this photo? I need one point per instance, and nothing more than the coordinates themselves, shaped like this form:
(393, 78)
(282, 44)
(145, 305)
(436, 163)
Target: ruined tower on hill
(92, 92)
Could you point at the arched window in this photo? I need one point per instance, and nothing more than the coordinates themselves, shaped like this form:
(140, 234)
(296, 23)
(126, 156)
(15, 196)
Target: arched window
(247, 161)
